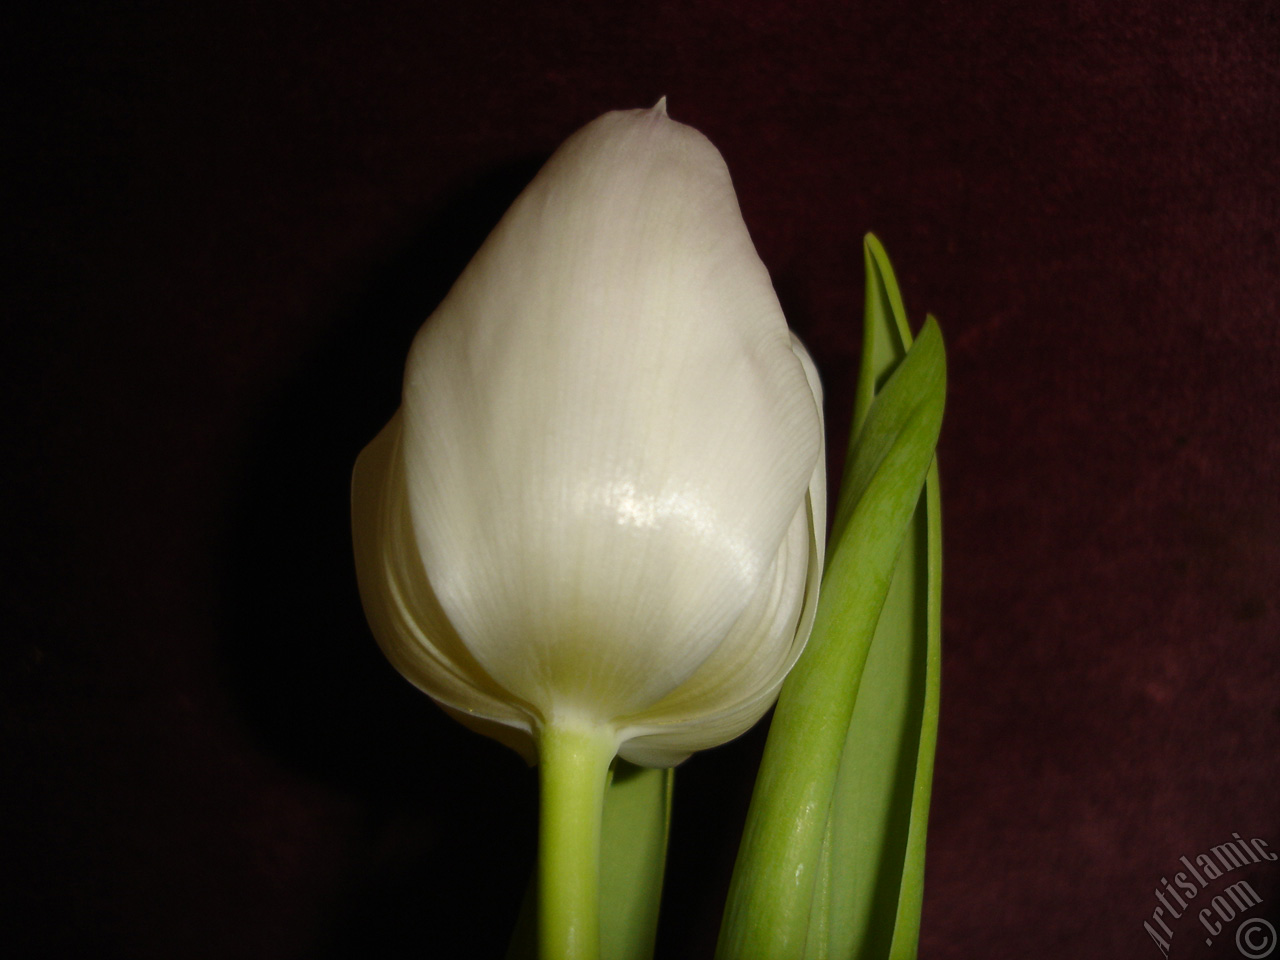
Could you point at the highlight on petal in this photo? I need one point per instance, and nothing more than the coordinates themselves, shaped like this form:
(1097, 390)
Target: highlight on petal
(740, 681)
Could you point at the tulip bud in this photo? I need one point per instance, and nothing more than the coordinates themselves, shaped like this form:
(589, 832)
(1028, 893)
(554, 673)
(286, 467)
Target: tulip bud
(601, 504)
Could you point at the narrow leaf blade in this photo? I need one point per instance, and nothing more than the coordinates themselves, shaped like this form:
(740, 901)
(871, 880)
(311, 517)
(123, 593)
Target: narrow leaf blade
(637, 821)
(879, 810)
(771, 894)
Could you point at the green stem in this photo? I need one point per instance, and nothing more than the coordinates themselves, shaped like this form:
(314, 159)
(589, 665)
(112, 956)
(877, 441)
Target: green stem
(574, 766)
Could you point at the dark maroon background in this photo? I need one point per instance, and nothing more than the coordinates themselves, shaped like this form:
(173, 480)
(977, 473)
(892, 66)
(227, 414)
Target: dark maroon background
(228, 220)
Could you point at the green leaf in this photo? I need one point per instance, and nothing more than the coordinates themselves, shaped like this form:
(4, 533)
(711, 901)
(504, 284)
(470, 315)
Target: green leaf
(637, 820)
(783, 883)
(879, 812)
(633, 850)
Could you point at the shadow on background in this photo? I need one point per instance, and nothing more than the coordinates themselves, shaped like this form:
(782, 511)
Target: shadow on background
(448, 817)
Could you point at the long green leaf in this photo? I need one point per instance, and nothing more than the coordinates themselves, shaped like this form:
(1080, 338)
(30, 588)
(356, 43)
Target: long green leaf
(637, 820)
(879, 812)
(633, 850)
(780, 860)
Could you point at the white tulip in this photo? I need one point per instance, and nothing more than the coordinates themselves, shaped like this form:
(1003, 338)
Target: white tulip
(601, 505)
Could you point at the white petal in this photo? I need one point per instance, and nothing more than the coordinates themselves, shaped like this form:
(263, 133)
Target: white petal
(818, 480)
(607, 432)
(403, 613)
(737, 684)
